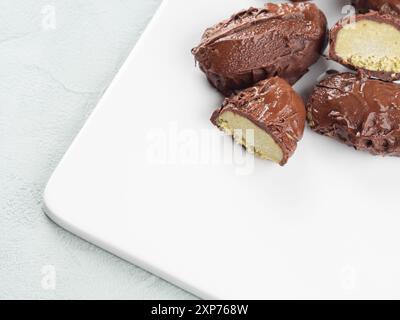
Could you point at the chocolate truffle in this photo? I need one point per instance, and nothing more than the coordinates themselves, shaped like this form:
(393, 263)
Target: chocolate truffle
(361, 112)
(278, 40)
(370, 42)
(386, 6)
(267, 119)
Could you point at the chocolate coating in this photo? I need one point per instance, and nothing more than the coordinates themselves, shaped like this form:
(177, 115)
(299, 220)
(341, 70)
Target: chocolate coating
(361, 112)
(274, 107)
(386, 6)
(278, 40)
(373, 16)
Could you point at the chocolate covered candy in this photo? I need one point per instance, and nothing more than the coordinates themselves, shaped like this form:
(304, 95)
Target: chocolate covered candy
(278, 40)
(386, 6)
(268, 119)
(369, 42)
(361, 112)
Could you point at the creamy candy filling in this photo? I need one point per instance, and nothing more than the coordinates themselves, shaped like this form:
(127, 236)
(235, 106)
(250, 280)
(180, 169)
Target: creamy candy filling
(370, 45)
(249, 135)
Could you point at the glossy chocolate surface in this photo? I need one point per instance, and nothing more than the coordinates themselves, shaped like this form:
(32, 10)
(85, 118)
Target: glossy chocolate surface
(274, 107)
(361, 112)
(386, 6)
(278, 40)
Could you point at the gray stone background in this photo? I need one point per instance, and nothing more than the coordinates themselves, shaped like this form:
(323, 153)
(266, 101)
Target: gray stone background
(56, 59)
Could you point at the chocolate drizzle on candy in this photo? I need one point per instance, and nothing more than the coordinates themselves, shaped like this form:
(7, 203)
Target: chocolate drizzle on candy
(278, 40)
(266, 50)
(273, 111)
(361, 112)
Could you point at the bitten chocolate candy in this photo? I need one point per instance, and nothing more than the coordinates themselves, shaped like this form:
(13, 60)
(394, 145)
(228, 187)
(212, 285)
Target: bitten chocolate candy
(279, 40)
(386, 6)
(361, 112)
(268, 119)
(370, 42)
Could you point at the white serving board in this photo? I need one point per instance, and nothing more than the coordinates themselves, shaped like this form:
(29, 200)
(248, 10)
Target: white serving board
(142, 181)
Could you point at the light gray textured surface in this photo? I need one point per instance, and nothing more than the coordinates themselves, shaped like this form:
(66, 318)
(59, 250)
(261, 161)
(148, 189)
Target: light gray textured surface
(57, 58)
